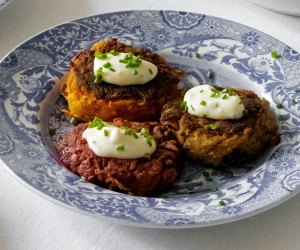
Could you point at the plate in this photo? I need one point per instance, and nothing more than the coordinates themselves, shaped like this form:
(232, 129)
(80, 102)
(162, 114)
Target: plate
(240, 56)
(289, 7)
(4, 3)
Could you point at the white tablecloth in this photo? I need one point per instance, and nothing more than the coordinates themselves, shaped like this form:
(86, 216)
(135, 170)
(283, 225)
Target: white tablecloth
(27, 221)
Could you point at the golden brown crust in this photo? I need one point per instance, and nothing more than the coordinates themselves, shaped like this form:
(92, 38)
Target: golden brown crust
(244, 137)
(87, 99)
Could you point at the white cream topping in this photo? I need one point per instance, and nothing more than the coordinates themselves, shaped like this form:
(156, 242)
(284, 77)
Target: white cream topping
(117, 73)
(206, 101)
(111, 141)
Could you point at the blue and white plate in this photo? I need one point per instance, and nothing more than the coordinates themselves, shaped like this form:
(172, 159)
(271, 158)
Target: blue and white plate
(240, 56)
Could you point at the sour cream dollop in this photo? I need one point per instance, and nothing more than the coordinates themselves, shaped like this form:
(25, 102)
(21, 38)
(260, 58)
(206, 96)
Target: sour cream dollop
(123, 143)
(206, 101)
(116, 69)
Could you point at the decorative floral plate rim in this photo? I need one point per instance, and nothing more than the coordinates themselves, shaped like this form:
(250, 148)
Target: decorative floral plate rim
(27, 84)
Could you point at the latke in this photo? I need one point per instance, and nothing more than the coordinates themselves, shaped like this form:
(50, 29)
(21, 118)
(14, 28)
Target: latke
(87, 99)
(225, 140)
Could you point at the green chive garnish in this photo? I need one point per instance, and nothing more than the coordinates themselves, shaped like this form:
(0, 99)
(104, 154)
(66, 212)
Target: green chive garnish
(184, 106)
(274, 54)
(106, 132)
(294, 101)
(135, 72)
(297, 90)
(98, 75)
(209, 178)
(147, 156)
(120, 148)
(52, 131)
(210, 74)
(212, 126)
(198, 55)
(74, 121)
(203, 103)
(222, 203)
(150, 71)
(279, 106)
(100, 56)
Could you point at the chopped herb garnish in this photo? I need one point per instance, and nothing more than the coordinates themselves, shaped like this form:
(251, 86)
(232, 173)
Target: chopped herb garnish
(98, 75)
(131, 61)
(294, 101)
(113, 52)
(74, 121)
(222, 203)
(203, 103)
(209, 178)
(149, 138)
(297, 90)
(147, 156)
(121, 148)
(212, 126)
(202, 90)
(225, 97)
(214, 189)
(97, 123)
(210, 74)
(279, 106)
(150, 71)
(135, 72)
(205, 174)
(274, 54)
(198, 55)
(106, 132)
(184, 106)
(130, 131)
(100, 56)
(192, 107)
(107, 65)
(52, 131)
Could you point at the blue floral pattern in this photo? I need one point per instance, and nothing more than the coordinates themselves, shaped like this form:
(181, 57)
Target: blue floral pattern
(30, 105)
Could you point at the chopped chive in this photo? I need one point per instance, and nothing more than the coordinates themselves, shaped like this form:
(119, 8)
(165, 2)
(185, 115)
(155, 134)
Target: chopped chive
(198, 55)
(214, 189)
(98, 75)
(135, 72)
(212, 126)
(203, 103)
(202, 90)
(107, 65)
(120, 148)
(97, 123)
(225, 97)
(205, 174)
(210, 74)
(279, 105)
(192, 107)
(106, 132)
(222, 203)
(297, 90)
(52, 131)
(147, 156)
(209, 178)
(294, 101)
(150, 71)
(74, 121)
(184, 106)
(99, 55)
(274, 54)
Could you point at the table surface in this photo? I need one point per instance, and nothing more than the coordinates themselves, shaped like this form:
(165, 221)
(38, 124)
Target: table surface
(27, 221)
